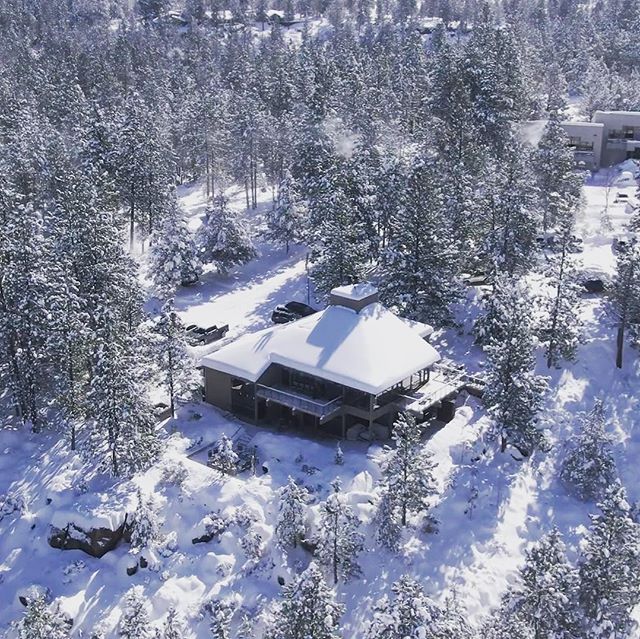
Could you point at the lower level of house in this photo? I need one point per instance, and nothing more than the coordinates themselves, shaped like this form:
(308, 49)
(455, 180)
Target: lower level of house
(288, 399)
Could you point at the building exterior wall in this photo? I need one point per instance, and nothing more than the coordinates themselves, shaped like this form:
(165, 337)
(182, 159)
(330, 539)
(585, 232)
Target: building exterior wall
(621, 135)
(217, 388)
(586, 139)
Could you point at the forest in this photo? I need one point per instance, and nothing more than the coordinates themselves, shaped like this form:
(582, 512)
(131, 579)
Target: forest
(389, 138)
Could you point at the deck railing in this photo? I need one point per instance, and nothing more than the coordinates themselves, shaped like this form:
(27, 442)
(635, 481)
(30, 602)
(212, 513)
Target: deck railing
(319, 407)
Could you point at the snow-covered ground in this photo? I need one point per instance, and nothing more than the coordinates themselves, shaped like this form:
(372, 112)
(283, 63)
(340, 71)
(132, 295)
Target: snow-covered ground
(480, 541)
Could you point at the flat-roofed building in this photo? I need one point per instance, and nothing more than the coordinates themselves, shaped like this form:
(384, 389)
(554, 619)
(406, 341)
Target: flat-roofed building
(621, 135)
(585, 138)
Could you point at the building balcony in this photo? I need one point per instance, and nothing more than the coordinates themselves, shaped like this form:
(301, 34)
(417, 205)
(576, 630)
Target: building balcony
(323, 408)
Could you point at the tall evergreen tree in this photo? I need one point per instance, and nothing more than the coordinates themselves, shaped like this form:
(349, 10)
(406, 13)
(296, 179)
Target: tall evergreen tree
(407, 470)
(339, 540)
(589, 468)
(626, 295)
(224, 239)
(514, 392)
(173, 258)
(610, 569)
(290, 526)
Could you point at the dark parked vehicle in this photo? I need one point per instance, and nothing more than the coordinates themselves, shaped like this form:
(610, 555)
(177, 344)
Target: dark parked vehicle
(593, 286)
(197, 335)
(291, 311)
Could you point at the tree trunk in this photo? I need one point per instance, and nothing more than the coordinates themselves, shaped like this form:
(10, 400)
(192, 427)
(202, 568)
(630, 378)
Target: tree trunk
(620, 343)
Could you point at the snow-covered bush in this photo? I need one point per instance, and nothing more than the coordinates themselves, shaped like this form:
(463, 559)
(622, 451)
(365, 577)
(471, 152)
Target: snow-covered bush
(589, 469)
(174, 626)
(252, 545)
(11, 503)
(219, 613)
(175, 473)
(338, 458)
(223, 457)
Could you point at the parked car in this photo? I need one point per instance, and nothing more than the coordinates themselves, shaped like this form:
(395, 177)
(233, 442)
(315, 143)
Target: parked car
(291, 311)
(197, 335)
(621, 197)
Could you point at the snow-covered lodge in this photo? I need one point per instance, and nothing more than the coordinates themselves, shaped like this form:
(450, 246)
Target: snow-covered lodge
(340, 370)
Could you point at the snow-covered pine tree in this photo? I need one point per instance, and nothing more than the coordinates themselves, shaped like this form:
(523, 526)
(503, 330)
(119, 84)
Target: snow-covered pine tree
(223, 457)
(291, 522)
(174, 626)
(559, 184)
(307, 609)
(514, 392)
(43, 620)
(220, 613)
(407, 470)
(625, 296)
(286, 221)
(170, 346)
(134, 620)
(511, 199)
(589, 468)
(173, 256)
(544, 601)
(388, 529)
(410, 613)
(23, 297)
(340, 244)
(145, 523)
(122, 430)
(610, 569)
(339, 541)
(563, 327)
(223, 238)
(419, 261)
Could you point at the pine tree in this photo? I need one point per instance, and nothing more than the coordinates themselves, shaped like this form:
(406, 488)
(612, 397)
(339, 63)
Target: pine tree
(388, 529)
(410, 613)
(340, 244)
(43, 621)
(514, 392)
(286, 223)
(174, 626)
(170, 346)
(291, 525)
(224, 458)
(610, 569)
(224, 240)
(122, 431)
(511, 201)
(220, 613)
(563, 329)
(554, 168)
(339, 541)
(589, 468)
(419, 261)
(134, 621)
(407, 470)
(173, 258)
(308, 609)
(145, 524)
(544, 602)
(626, 295)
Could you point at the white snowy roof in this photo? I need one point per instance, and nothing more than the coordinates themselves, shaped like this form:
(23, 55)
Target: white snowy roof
(370, 351)
(591, 125)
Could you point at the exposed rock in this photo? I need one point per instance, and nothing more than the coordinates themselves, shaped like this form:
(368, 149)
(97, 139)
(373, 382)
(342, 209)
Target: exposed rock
(95, 542)
(132, 570)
